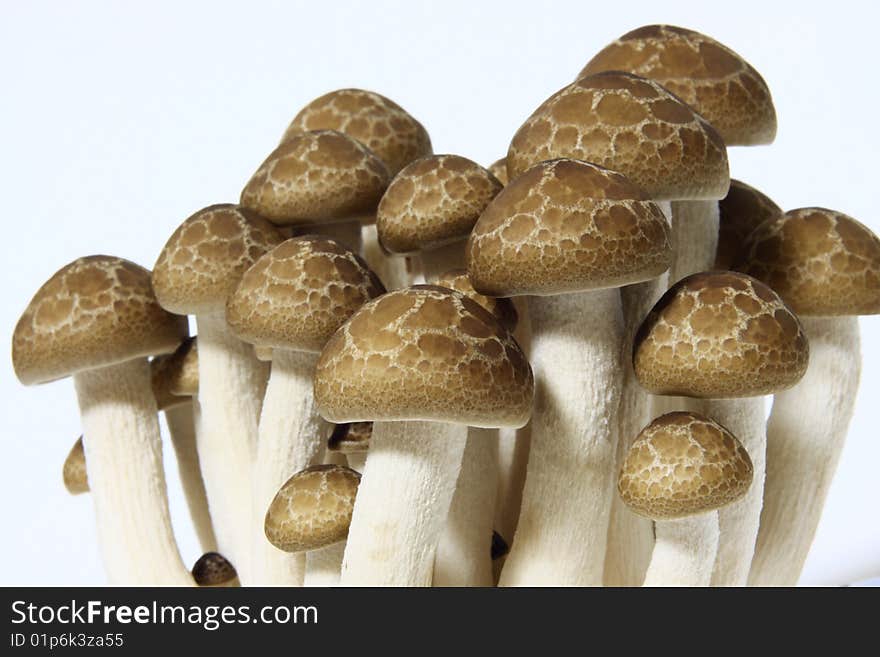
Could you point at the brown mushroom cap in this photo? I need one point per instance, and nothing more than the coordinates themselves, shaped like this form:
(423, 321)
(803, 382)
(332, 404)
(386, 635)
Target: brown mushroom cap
(820, 261)
(424, 353)
(740, 212)
(96, 311)
(313, 508)
(499, 169)
(316, 177)
(175, 377)
(74, 473)
(683, 464)
(567, 226)
(380, 124)
(296, 295)
(213, 569)
(432, 202)
(350, 438)
(203, 260)
(503, 309)
(631, 125)
(708, 76)
(720, 335)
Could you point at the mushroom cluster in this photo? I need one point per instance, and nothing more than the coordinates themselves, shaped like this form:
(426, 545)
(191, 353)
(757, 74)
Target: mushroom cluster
(414, 370)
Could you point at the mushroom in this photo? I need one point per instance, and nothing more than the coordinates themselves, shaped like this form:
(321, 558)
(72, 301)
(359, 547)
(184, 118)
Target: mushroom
(739, 213)
(571, 233)
(292, 300)
(213, 570)
(421, 363)
(352, 440)
(97, 320)
(826, 266)
(74, 473)
(680, 469)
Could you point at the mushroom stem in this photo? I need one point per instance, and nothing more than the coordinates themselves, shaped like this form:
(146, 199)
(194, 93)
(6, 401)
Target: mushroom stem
(684, 551)
(357, 461)
(124, 454)
(323, 565)
(805, 436)
(390, 269)
(402, 503)
(436, 262)
(561, 534)
(694, 238)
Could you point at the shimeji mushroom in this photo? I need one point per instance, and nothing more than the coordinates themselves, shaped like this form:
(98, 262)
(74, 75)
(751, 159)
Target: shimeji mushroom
(97, 320)
(352, 440)
(422, 363)
(739, 213)
(720, 337)
(214, 570)
(570, 233)
(292, 300)
(197, 271)
(74, 472)
(310, 515)
(680, 469)
(826, 266)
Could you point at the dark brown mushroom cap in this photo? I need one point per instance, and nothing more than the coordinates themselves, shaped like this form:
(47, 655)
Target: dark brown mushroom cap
(708, 76)
(720, 335)
(96, 311)
(567, 226)
(316, 177)
(432, 202)
(350, 438)
(821, 262)
(740, 212)
(74, 473)
(499, 169)
(683, 464)
(380, 124)
(213, 569)
(175, 376)
(631, 125)
(424, 353)
(313, 508)
(203, 260)
(503, 309)
(296, 295)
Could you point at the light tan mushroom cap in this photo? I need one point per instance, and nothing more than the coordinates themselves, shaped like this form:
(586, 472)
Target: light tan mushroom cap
(350, 438)
(499, 169)
(96, 311)
(74, 473)
(432, 202)
(380, 124)
(720, 335)
(503, 309)
(313, 509)
(205, 257)
(683, 464)
(213, 569)
(316, 177)
(708, 76)
(740, 212)
(175, 377)
(424, 353)
(299, 293)
(631, 125)
(820, 261)
(567, 226)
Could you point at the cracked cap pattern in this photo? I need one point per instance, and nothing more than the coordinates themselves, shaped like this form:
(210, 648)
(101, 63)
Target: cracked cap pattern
(567, 226)
(739, 213)
(316, 177)
(350, 437)
(213, 569)
(424, 353)
(499, 169)
(720, 335)
(175, 377)
(432, 202)
(74, 473)
(503, 309)
(380, 124)
(683, 464)
(313, 509)
(298, 294)
(820, 261)
(631, 125)
(96, 311)
(707, 75)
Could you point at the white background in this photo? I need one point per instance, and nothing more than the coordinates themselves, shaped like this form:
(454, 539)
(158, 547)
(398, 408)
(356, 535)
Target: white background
(118, 120)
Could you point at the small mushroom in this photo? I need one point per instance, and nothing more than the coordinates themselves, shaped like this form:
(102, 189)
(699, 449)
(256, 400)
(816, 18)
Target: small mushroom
(74, 473)
(739, 213)
(214, 570)
(353, 440)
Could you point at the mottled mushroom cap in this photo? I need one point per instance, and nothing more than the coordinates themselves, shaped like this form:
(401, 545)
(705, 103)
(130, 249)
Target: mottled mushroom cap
(683, 464)
(175, 376)
(708, 76)
(203, 260)
(820, 261)
(499, 169)
(720, 335)
(96, 311)
(432, 202)
(567, 226)
(298, 294)
(380, 124)
(74, 473)
(424, 353)
(631, 125)
(316, 177)
(213, 569)
(350, 438)
(740, 212)
(313, 508)
(503, 309)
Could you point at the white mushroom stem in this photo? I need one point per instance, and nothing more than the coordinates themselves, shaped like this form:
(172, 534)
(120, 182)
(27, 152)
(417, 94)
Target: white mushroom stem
(464, 555)
(694, 238)
(806, 434)
(357, 461)
(562, 530)
(292, 437)
(684, 551)
(123, 448)
(323, 566)
(436, 262)
(390, 269)
(402, 503)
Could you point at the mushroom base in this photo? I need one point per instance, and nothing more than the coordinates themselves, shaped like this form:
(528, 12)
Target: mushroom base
(684, 551)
